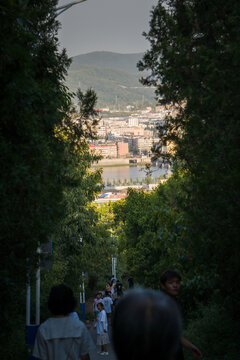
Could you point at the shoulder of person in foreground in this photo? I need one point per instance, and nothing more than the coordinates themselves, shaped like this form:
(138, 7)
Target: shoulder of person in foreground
(74, 314)
(60, 328)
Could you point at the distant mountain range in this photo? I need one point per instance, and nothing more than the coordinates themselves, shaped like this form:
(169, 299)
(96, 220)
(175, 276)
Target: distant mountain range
(114, 77)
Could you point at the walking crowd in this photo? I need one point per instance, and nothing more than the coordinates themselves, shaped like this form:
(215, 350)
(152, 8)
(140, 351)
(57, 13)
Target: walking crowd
(103, 307)
(146, 324)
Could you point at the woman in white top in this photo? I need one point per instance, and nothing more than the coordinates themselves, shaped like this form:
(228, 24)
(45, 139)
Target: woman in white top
(102, 329)
(62, 337)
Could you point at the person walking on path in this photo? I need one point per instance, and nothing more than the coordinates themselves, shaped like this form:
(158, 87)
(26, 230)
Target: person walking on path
(102, 329)
(146, 325)
(108, 304)
(113, 280)
(62, 337)
(113, 292)
(170, 282)
(109, 287)
(96, 301)
(119, 288)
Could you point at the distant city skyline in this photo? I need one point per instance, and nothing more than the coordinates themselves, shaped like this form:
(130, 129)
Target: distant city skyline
(105, 25)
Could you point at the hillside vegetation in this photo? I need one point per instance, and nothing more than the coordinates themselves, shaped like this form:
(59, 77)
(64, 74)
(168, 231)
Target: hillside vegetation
(106, 59)
(113, 76)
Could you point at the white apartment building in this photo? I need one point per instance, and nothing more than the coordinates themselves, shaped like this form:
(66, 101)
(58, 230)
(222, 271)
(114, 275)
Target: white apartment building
(136, 130)
(133, 122)
(145, 144)
(102, 131)
(105, 150)
(148, 133)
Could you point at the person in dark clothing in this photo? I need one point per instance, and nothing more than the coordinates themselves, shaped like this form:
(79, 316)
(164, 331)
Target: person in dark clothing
(130, 283)
(170, 282)
(119, 288)
(113, 280)
(146, 325)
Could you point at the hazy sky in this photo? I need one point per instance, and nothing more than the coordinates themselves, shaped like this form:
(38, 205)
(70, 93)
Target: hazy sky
(105, 25)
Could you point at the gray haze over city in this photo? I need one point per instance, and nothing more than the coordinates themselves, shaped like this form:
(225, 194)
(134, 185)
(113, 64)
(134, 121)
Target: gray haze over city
(105, 25)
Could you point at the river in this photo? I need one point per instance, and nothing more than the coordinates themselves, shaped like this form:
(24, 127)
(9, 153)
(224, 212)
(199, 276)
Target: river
(111, 173)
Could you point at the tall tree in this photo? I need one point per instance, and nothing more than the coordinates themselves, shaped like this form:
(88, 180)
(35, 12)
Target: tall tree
(194, 60)
(33, 101)
(81, 183)
(151, 234)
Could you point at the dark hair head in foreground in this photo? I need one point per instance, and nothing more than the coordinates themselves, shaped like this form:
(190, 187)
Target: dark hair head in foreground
(146, 325)
(61, 300)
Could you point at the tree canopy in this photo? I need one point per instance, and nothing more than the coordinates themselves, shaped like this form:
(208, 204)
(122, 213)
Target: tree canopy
(193, 61)
(36, 169)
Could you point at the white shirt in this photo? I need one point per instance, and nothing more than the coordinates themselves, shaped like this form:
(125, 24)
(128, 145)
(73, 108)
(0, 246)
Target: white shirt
(96, 302)
(101, 322)
(60, 338)
(74, 315)
(107, 302)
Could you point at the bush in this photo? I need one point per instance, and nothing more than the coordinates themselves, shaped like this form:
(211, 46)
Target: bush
(17, 348)
(214, 332)
(90, 315)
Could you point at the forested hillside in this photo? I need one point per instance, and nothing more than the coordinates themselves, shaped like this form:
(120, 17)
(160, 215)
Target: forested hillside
(113, 76)
(106, 59)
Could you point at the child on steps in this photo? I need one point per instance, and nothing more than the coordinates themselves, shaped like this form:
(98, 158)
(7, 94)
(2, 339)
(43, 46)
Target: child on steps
(102, 329)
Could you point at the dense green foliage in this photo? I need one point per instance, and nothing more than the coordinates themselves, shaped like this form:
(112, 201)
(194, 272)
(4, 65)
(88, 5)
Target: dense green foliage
(81, 185)
(47, 181)
(194, 59)
(78, 250)
(84, 230)
(33, 101)
(214, 331)
(151, 235)
(116, 85)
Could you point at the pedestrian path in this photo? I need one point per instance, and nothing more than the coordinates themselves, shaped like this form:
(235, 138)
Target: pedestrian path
(94, 354)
